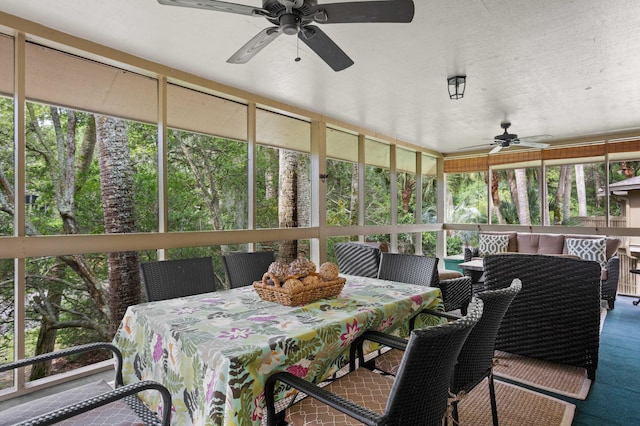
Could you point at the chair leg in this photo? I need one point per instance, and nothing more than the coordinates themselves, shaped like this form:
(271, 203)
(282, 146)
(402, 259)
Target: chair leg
(492, 395)
(454, 407)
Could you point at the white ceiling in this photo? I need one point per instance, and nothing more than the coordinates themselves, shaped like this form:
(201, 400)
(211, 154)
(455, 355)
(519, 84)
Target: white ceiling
(566, 68)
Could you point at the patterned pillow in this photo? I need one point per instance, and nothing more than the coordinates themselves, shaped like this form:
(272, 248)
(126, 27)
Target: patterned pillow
(492, 244)
(589, 249)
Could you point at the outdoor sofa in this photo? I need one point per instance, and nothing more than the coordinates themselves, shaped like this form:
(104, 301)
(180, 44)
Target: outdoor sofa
(556, 315)
(588, 247)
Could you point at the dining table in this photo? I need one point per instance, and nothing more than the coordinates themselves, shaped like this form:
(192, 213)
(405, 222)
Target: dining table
(214, 351)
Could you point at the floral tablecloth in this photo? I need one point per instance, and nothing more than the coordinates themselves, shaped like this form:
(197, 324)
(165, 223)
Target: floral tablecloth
(214, 351)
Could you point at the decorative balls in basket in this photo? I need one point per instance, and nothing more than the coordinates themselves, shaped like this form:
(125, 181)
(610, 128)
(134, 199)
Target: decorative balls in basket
(299, 282)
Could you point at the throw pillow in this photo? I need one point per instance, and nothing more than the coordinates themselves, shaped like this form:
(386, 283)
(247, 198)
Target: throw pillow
(492, 244)
(589, 249)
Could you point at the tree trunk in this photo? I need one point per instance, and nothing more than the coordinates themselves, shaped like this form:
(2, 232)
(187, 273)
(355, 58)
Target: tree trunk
(288, 203)
(522, 201)
(581, 190)
(495, 197)
(557, 210)
(567, 193)
(116, 184)
(48, 332)
(303, 193)
(353, 199)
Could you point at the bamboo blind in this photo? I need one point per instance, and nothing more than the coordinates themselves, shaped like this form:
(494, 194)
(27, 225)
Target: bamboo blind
(515, 157)
(482, 163)
(463, 165)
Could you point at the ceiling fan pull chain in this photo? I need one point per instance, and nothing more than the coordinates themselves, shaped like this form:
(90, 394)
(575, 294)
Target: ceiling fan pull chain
(298, 58)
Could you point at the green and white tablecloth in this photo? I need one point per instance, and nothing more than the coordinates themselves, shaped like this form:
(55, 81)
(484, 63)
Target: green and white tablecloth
(214, 351)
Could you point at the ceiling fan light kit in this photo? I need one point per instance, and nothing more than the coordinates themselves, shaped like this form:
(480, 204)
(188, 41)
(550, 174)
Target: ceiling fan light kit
(456, 86)
(293, 17)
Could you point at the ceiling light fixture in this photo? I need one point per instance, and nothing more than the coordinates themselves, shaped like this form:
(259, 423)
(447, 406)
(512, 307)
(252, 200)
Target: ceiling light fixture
(456, 86)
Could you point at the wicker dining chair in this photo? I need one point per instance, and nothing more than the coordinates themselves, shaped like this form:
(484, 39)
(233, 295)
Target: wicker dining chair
(423, 270)
(168, 279)
(416, 396)
(475, 361)
(243, 269)
(91, 404)
(357, 259)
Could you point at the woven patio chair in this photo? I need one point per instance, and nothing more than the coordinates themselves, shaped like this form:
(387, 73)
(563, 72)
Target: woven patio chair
(357, 259)
(609, 286)
(556, 315)
(475, 361)
(416, 396)
(168, 279)
(423, 270)
(243, 269)
(92, 404)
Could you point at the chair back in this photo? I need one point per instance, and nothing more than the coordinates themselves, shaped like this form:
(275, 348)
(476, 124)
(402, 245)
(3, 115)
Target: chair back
(243, 269)
(409, 268)
(357, 259)
(420, 390)
(556, 315)
(168, 279)
(476, 357)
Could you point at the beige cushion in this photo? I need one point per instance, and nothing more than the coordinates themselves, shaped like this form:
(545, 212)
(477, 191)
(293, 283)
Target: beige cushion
(390, 361)
(372, 392)
(447, 274)
(540, 243)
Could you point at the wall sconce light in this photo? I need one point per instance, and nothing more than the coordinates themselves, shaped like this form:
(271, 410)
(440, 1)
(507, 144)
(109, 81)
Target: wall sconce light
(323, 177)
(456, 86)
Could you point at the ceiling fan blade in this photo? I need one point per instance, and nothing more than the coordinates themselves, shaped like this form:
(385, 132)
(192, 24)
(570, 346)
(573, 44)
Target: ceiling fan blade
(363, 11)
(324, 47)
(219, 6)
(532, 144)
(483, 145)
(536, 138)
(495, 149)
(253, 46)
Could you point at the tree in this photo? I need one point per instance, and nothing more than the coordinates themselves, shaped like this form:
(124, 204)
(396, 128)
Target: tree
(288, 202)
(581, 190)
(522, 197)
(60, 157)
(116, 183)
(495, 196)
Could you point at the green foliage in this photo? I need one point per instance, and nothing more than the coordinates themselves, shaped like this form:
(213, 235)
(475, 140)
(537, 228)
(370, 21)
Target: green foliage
(377, 196)
(467, 198)
(340, 196)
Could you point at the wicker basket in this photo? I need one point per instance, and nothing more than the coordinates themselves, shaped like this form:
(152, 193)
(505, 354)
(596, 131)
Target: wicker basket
(297, 296)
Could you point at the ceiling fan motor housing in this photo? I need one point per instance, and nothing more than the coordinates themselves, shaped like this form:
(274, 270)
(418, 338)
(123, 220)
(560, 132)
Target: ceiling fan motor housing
(290, 23)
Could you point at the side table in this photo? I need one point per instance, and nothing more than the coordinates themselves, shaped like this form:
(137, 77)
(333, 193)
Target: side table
(475, 270)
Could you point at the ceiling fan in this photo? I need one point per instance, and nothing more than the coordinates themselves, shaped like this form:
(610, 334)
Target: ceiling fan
(506, 139)
(296, 16)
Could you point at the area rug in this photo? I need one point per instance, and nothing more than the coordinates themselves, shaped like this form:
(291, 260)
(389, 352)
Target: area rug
(516, 407)
(560, 379)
